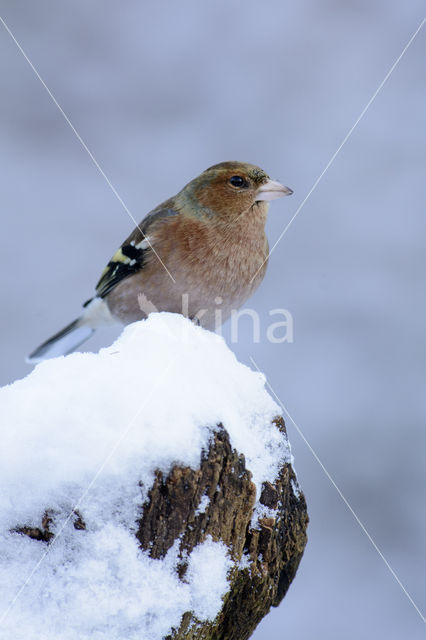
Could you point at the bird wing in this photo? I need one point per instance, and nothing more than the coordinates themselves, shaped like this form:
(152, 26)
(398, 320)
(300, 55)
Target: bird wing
(130, 257)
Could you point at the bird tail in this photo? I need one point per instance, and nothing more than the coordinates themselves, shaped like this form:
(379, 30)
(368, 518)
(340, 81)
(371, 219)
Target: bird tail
(96, 314)
(63, 342)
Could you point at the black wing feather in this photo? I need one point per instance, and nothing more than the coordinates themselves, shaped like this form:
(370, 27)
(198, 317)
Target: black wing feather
(130, 257)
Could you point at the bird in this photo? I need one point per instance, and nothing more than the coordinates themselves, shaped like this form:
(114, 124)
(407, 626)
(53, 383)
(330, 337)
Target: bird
(202, 250)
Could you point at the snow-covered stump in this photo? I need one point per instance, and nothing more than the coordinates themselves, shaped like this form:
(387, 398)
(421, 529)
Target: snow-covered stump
(147, 493)
(265, 552)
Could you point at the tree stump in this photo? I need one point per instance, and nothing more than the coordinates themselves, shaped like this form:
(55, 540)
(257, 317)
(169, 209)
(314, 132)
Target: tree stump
(266, 552)
(266, 540)
(148, 493)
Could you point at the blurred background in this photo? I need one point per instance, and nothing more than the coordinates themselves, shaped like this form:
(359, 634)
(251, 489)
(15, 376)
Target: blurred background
(160, 91)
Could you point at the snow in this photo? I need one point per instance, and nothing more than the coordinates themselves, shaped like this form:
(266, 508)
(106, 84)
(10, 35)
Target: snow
(260, 511)
(87, 432)
(208, 567)
(296, 488)
(203, 504)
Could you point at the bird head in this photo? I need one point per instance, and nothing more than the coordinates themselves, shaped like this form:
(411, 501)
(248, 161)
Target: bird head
(228, 190)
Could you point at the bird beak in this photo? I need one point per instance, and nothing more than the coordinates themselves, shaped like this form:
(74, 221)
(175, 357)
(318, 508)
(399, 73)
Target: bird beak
(271, 190)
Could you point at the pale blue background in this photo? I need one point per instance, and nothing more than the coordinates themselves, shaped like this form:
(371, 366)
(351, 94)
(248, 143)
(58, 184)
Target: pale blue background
(161, 90)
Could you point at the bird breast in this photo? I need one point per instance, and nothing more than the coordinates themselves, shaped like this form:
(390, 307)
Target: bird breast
(214, 267)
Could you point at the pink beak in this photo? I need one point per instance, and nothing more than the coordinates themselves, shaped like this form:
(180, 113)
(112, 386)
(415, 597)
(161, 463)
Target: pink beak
(271, 190)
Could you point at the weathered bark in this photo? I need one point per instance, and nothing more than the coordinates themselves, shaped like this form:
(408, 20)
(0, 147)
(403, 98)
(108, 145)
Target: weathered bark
(274, 545)
(271, 547)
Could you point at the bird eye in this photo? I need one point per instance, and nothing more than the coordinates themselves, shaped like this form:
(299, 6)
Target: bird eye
(237, 181)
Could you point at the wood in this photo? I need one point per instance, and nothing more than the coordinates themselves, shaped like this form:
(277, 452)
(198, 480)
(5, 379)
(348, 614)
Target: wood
(275, 546)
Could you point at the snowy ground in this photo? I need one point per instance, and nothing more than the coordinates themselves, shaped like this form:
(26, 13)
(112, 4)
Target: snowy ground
(80, 433)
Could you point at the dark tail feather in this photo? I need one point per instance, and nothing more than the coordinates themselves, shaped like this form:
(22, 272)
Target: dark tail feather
(62, 343)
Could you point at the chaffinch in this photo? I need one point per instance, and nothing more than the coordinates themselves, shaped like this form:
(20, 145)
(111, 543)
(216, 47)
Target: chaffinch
(205, 247)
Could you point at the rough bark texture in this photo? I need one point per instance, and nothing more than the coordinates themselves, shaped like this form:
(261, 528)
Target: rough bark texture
(271, 547)
(274, 545)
